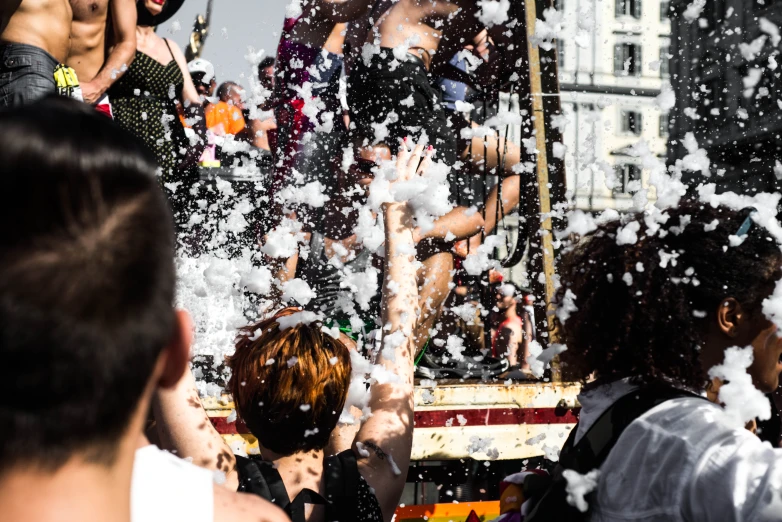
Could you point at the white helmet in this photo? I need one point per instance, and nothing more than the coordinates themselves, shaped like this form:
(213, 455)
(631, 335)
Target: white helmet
(199, 65)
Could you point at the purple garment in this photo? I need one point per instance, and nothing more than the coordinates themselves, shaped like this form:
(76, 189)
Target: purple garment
(299, 63)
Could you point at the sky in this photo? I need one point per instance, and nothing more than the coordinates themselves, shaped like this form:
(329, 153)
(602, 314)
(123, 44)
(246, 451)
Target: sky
(235, 26)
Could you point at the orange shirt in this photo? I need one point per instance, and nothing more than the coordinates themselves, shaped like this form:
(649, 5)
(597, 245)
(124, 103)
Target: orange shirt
(226, 114)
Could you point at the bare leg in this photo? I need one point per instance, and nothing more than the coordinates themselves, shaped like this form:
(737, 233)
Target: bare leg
(510, 153)
(433, 280)
(510, 198)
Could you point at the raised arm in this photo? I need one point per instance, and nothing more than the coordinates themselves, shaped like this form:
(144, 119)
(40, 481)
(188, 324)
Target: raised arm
(185, 429)
(384, 441)
(123, 50)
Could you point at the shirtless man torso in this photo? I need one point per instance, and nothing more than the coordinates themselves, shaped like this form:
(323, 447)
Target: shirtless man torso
(88, 54)
(34, 39)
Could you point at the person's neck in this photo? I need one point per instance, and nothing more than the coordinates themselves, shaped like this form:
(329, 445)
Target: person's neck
(79, 490)
(510, 312)
(301, 470)
(144, 32)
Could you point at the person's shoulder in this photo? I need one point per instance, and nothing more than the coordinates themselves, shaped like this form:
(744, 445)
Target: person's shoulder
(231, 506)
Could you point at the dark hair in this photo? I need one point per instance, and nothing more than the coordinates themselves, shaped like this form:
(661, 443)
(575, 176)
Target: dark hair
(289, 385)
(266, 62)
(86, 282)
(650, 325)
(225, 89)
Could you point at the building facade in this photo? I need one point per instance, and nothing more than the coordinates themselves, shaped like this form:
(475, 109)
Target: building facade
(726, 78)
(608, 90)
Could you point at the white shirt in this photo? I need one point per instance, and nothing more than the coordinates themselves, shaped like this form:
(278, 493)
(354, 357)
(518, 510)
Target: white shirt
(166, 488)
(683, 461)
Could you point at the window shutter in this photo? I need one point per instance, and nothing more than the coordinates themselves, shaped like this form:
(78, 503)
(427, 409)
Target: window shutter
(619, 8)
(638, 123)
(636, 8)
(636, 68)
(617, 58)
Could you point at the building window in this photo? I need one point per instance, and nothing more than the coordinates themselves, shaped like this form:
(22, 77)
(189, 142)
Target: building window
(627, 59)
(628, 8)
(664, 123)
(628, 179)
(559, 5)
(631, 122)
(665, 7)
(664, 58)
(560, 53)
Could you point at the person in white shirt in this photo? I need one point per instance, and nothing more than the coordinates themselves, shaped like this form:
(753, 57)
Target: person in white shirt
(88, 330)
(664, 308)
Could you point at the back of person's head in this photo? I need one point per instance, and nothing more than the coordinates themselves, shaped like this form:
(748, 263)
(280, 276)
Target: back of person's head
(643, 299)
(86, 283)
(227, 91)
(289, 383)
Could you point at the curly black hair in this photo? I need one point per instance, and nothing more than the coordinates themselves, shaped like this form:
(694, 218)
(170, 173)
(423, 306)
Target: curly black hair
(649, 325)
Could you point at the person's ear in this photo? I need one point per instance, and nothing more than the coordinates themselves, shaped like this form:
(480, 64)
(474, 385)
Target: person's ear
(177, 352)
(729, 316)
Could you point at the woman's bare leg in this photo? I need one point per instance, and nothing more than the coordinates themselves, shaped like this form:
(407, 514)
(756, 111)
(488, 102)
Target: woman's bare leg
(433, 280)
(509, 153)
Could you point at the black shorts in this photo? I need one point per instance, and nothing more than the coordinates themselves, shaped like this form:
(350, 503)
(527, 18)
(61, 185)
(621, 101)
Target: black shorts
(26, 74)
(387, 86)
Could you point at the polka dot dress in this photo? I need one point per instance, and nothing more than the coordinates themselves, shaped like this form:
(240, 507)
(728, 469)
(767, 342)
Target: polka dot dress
(143, 104)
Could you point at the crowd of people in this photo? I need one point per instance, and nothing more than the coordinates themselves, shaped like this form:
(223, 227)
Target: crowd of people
(320, 95)
(101, 418)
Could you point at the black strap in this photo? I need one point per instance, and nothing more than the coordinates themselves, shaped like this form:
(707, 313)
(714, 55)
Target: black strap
(342, 486)
(261, 478)
(169, 49)
(593, 448)
(341, 473)
(591, 451)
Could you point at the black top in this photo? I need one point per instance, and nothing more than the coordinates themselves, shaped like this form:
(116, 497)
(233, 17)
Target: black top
(348, 496)
(324, 278)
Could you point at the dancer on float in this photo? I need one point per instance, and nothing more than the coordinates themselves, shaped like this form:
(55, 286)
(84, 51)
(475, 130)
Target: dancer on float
(98, 63)
(34, 40)
(144, 103)
(335, 250)
(306, 99)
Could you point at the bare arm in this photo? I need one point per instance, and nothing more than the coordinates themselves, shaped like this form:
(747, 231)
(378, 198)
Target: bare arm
(189, 93)
(460, 223)
(339, 11)
(123, 18)
(184, 427)
(287, 270)
(385, 439)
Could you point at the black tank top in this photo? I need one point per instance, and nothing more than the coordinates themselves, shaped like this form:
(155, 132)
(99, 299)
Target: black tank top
(324, 279)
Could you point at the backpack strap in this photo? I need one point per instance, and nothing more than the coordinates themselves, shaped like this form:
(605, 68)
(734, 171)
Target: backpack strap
(342, 486)
(591, 451)
(262, 478)
(593, 448)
